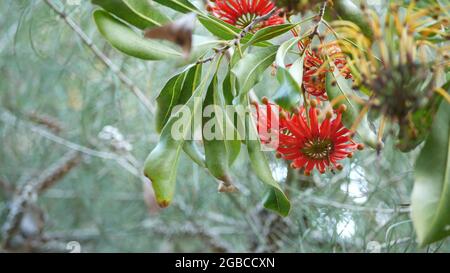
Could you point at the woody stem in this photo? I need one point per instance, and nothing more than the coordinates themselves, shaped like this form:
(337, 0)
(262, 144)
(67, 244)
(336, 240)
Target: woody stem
(319, 19)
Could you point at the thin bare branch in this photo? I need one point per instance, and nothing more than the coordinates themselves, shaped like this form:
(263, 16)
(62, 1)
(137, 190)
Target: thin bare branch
(28, 194)
(102, 57)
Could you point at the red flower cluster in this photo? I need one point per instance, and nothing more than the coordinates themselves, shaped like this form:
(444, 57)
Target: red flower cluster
(306, 141)
(241, 13)
(315, 70)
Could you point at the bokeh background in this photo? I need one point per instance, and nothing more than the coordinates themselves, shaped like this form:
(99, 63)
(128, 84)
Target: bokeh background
(74, 137)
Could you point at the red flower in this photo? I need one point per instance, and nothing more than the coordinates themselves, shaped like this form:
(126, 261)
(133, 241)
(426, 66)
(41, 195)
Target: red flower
(309, 143)
(241, 13)
(315, 71)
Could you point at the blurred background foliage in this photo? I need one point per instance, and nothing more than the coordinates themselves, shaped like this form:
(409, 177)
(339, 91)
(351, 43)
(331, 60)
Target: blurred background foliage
(63, 111)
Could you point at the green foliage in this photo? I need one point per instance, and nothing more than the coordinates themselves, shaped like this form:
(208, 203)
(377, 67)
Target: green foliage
(177, 91)
(275, 199)
(249, 69)
(138, 13)
(49, 70)
(216, 152)
(349, 10)
(288, 94)
(161, 164)
(126, 40)
(430, 198)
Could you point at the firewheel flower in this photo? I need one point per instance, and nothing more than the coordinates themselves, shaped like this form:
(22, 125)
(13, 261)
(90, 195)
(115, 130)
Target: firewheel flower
(315, 68)
(307, 142)
(241, 13)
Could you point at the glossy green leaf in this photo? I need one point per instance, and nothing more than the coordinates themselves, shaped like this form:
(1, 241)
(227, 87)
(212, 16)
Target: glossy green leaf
(139, 13)
(296, 69)
(177, 91)
(181, 85)
(229, 93)
(127, 41)
(283, 51)
(228, 87)
(268, 33)
(167, 99)
(275, 200)
(251, 67)
(162, 163)
(215, 148)
(191, 149)
(183, 6)
(430, 201)
(218, 27)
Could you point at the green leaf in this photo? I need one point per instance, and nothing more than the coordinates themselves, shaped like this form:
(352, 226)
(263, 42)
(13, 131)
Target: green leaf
(229, 91)
(251, 67)
(268, 33)
(176, 91)
(167, 99)
(127, 41)
(139, 13)
(430, 201)
(191, 150)
(183, 6)
(350, 11)
(220, 152)
(218, 27)
(275, 200)
(162, 163)
(228, 88)
(288, 94)
(215, 148)
(296, 69)
(284, 49)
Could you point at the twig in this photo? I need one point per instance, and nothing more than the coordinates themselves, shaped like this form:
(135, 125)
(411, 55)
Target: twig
(6, 187)
(102, 57)
(9, 118)
(319, 19)
(55, 173)
(236, 41)
(338, 205)
(47, 121)
(29, 192)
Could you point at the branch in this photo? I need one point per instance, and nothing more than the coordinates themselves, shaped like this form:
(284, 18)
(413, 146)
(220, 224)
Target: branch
(29, 192)
(338, 205)
(102, 57)
(319, 19)
(9, 118)
(6, 187)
